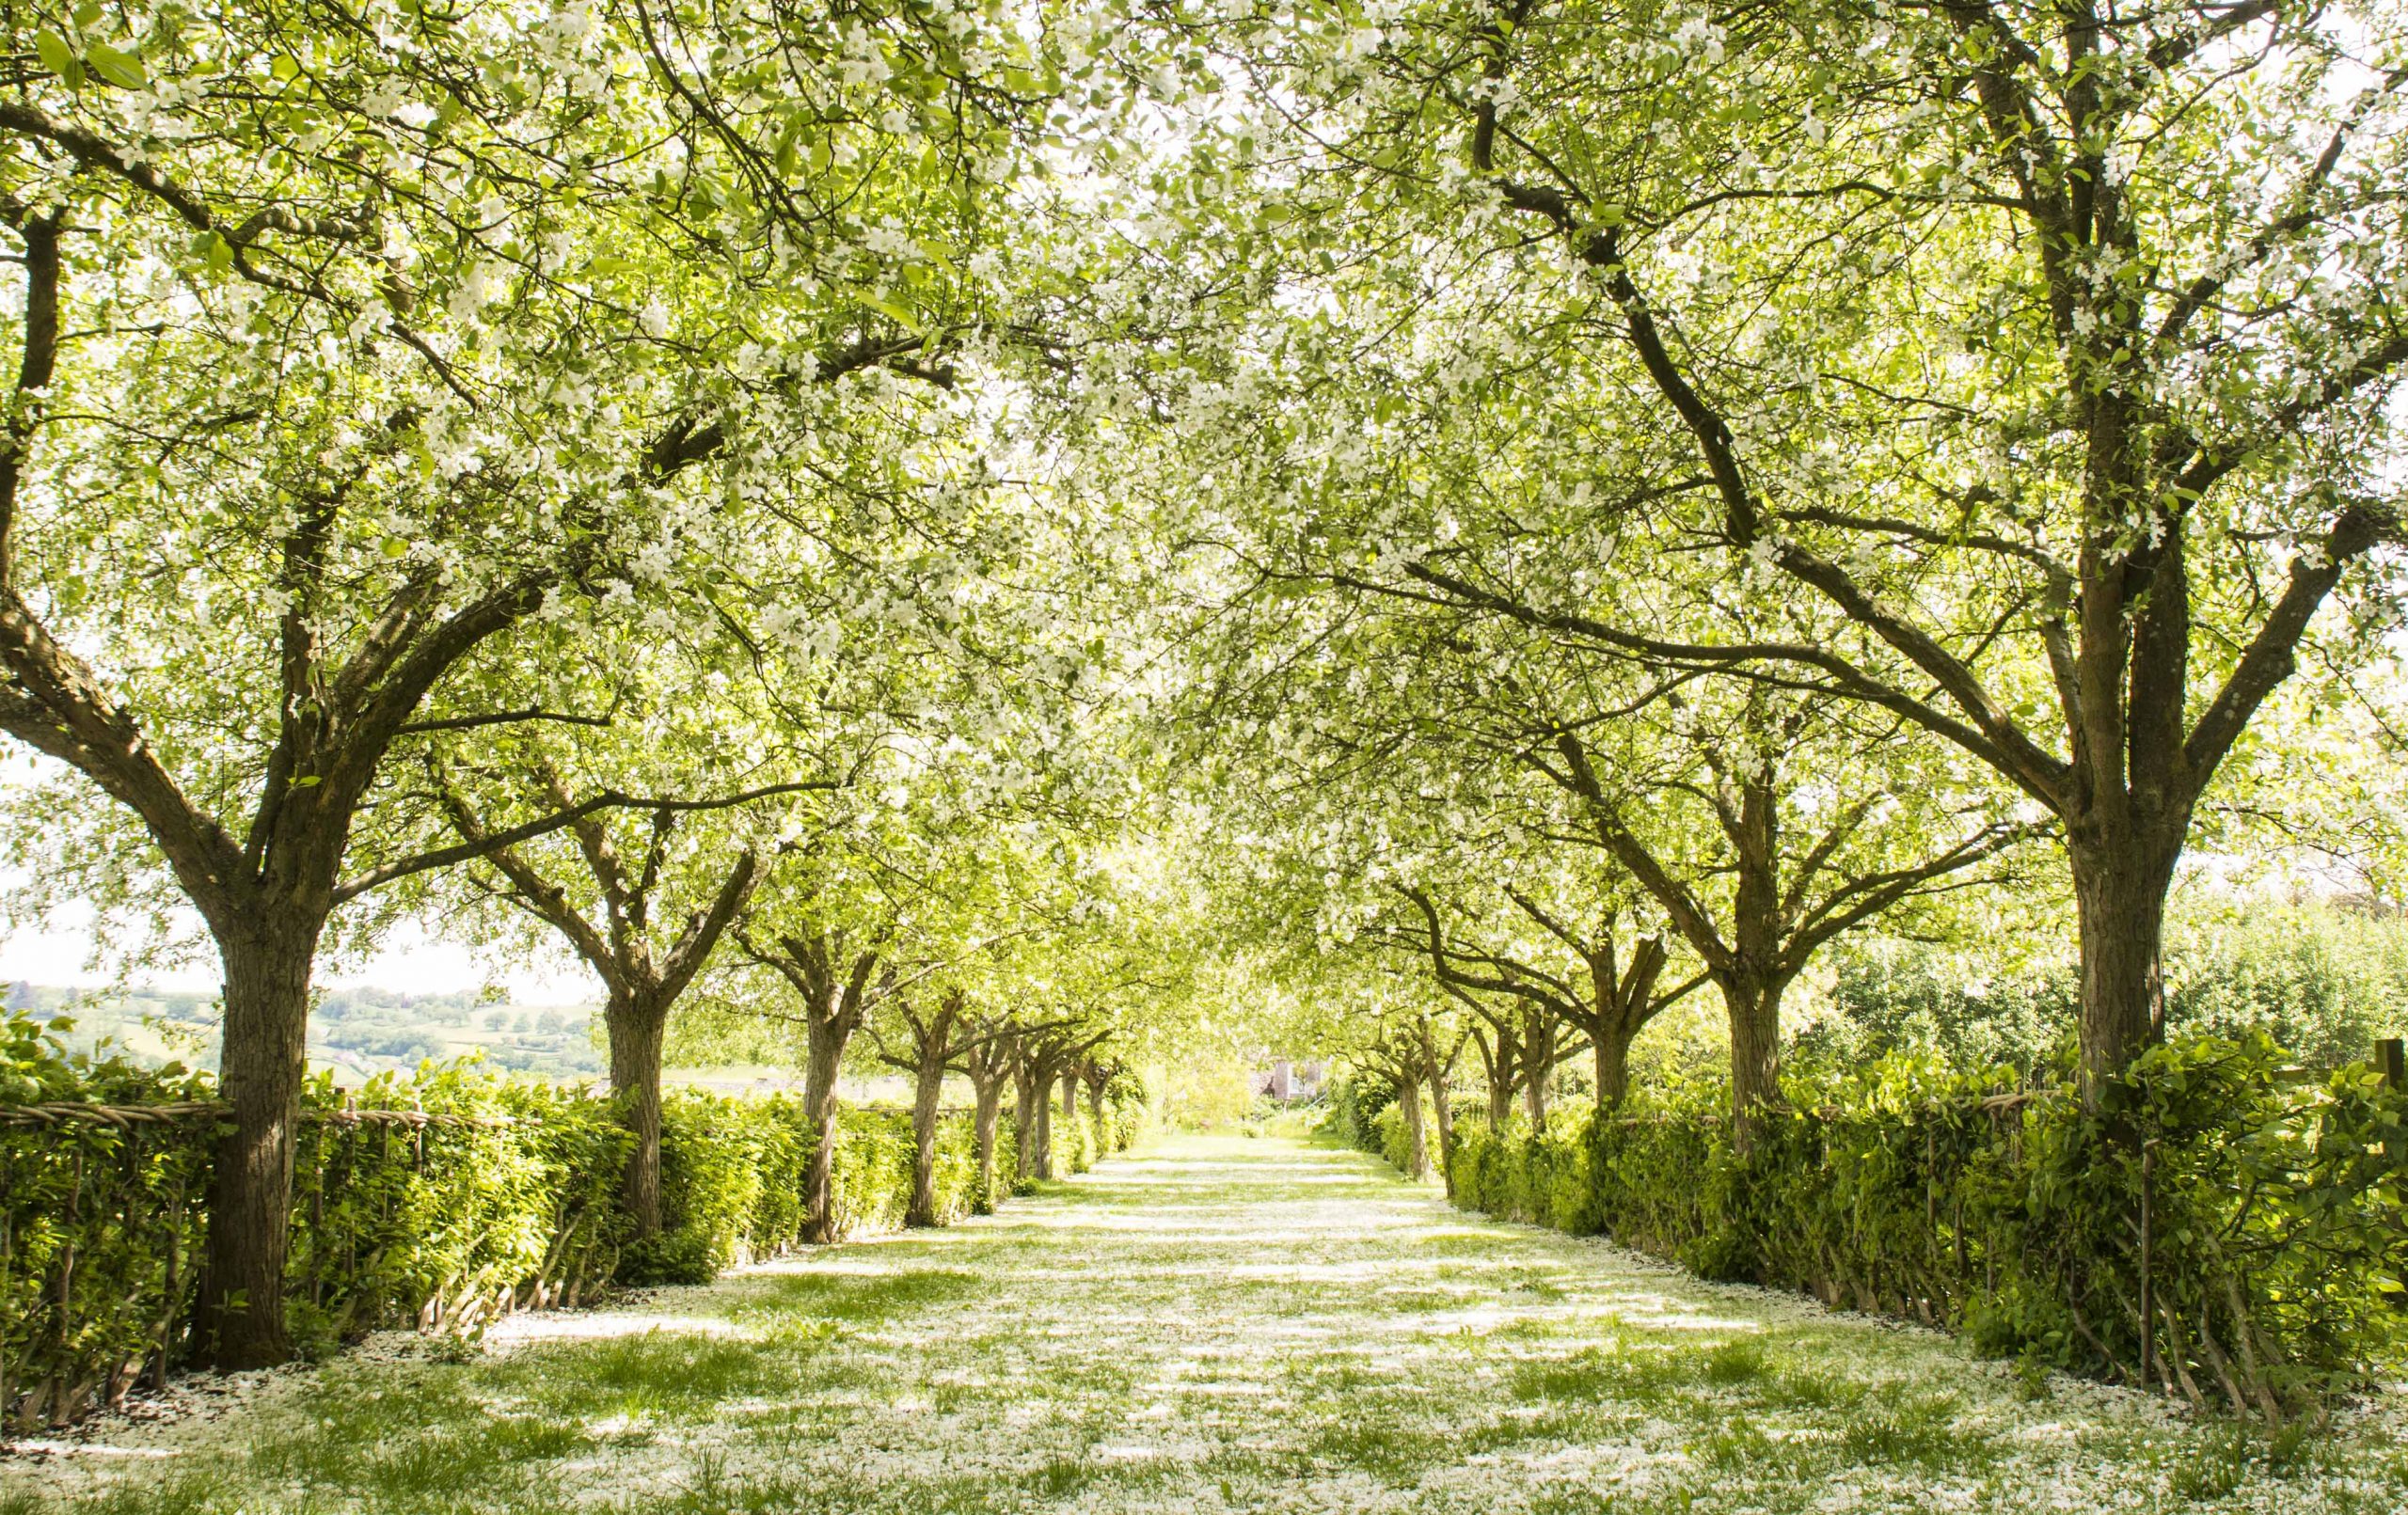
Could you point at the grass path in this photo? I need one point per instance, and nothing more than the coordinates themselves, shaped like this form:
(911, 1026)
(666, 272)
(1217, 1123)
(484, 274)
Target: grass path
(1220, 1324)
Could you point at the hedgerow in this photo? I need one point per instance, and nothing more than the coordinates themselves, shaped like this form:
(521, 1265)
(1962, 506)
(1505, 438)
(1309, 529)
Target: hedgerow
(1356, 1097)
(89, 1294)
(505, 1197)
(731, 1180)
(443, 1200)
(2258, 1225)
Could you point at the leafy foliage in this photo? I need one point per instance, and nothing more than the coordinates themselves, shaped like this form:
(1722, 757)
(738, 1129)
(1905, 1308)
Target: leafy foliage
(2263, 1223)
(99, 1223)
(488, 1195)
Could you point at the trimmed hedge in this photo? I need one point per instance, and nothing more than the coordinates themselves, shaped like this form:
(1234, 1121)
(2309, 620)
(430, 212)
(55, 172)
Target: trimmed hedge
(1356, 1097)
(508, 1201)
(731, 1180)
(101, 1225)
(441, 1200)
(2263, 1219)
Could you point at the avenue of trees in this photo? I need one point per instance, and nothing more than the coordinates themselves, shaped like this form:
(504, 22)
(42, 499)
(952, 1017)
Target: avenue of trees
(994, 541)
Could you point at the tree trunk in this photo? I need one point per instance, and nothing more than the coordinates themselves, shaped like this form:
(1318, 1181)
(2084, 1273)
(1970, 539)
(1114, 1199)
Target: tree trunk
(1416, 1145)
(1097, 1083)
(1754, 1009)
(637, 1031)
(260, 1070)
(1445, 1120)
(2119, 900)
(1613, 1066)
(1045, 1130)
(1025, 1103)
(824, 1056)
(1534, 1097)
(927, 1087)
(1500, 1097)
(990, 1101)
(1071, 1119)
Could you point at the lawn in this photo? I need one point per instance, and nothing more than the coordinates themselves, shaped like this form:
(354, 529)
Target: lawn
(1220, 1324)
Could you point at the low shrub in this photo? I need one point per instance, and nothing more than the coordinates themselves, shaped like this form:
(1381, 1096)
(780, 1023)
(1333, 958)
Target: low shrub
(443, 1199)
(101, 1222)
(446, 1198)
(2264, 1220)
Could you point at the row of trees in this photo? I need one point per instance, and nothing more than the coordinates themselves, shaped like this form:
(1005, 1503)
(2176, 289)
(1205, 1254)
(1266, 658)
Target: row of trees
(1769, 473)
(1594, 502)
(568, 464)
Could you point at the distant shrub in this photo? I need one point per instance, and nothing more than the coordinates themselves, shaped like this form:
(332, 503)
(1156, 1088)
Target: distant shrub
(2326, 982)
(2322, 980)
(1357, 1096)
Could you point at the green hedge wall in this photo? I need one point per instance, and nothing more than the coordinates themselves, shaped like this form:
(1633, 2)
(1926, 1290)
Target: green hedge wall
(731, 1180)
(100, 1225)
(2276, 1212)
(506, 1198)
(441, 1200)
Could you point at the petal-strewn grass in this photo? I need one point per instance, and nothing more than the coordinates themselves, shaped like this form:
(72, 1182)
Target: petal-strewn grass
(1222, 1324)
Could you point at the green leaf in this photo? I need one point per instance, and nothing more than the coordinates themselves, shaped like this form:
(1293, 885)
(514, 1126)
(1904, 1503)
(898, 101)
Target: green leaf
(56, 54)
(887, 307)
(119, 68)
(308, 780)
(214, 250)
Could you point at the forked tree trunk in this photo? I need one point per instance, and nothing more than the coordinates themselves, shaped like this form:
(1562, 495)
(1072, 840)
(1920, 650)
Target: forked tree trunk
(637, 1031)
(1416, 1146)
(264, 1060)
(823, 1057)
(927, 1087)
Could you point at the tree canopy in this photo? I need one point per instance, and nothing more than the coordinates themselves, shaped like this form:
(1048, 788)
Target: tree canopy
(1008, 542)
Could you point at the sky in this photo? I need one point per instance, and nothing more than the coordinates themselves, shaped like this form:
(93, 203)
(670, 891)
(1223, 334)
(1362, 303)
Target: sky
(411, 961)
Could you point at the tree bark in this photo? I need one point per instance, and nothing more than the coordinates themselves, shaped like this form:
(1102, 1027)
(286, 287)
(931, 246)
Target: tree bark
(1071, 1120)
(2119, 902)
(1754, 1010)
(927, 1087)
(990, 1101)
(637, 1030)
(1416, 1145)
(1612, 1050)
(1445, 1117)
(823, 1057)
(261, 1066)
(1098, 1080)
(1045, 1131)
(1534, 1097)
(1025, 1107)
